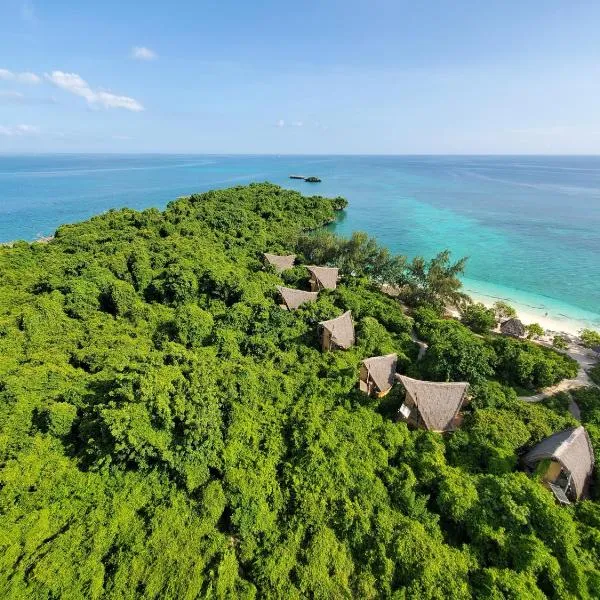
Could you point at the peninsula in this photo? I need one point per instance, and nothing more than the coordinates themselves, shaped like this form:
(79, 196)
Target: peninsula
(219, 400)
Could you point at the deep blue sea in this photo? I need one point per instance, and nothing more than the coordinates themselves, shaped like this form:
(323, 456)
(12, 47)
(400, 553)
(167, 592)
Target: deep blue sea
(529, 225)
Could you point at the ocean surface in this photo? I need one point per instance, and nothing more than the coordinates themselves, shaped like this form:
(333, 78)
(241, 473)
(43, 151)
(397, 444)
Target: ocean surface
(529, 225)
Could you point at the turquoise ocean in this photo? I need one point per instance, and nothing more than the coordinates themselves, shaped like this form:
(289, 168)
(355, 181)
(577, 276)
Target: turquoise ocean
(529, 225)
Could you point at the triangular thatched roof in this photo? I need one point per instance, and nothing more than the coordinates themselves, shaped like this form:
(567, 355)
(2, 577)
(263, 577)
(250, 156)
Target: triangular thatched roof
(294, 298)
(280, 263)
(572, 449)
(438, 403)
(382, 370)
(513, 327)
(326, 276)
(341, 330)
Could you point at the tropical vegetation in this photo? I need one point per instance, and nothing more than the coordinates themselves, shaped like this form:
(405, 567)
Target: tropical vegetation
(167, 430)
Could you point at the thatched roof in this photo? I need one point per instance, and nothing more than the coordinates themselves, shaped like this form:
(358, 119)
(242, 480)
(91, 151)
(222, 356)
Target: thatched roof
(326, 276)
(281, 263)
(438, 403)
(341, 330)
(382, 370)
(572, 449)
(513, 327)
(294, 298)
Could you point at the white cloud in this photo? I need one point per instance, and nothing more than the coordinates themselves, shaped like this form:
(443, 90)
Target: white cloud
(143, 53)
(280, 123)
(297, 124)
(28, 78)
(73, 83)
(19, 130)
(121, 138)
(27, 129)
(7, 75)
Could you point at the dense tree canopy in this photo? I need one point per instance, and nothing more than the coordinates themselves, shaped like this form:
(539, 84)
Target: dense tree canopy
(478, 318)
(168, 431)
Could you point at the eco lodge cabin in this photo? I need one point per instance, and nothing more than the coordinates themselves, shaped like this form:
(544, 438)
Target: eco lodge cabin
(280, 263)
(323, 278)
(566, 461)
(377, 374)
(293, 298)
(513, 327)
(338, 333)
(432, 405)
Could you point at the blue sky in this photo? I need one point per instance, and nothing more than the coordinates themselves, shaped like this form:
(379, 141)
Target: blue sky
(382, 77)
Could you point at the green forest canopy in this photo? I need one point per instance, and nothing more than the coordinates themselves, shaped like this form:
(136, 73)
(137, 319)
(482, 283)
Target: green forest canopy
(168, 431)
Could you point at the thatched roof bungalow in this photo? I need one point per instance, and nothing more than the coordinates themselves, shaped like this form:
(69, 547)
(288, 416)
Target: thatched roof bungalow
(280, 263)
(513, 327)
(338, 333)
(377, 374)
(293, 298)
(432, 405)
(323, 278)
(567, 460)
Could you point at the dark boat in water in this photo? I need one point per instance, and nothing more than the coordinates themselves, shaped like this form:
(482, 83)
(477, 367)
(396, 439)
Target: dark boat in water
(309, 179)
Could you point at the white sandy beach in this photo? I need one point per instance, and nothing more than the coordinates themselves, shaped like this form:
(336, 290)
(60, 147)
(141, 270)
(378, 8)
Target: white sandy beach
(528, 315)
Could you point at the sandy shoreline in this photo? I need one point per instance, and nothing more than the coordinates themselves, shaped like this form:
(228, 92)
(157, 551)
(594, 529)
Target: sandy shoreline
(528, 315)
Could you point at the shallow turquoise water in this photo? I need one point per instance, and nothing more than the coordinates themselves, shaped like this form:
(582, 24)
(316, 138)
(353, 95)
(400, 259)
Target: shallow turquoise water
(530, 225)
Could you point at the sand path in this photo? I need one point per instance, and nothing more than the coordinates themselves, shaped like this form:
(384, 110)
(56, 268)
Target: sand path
(586, 359)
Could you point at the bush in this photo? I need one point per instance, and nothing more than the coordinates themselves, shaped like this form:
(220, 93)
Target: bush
(479, 318)
(534, 331)
(489, 441)
(193, 325)
(82, 298)
(455, 354)
(180, 284)
(560, 343)
(120, 299)
(530, 365)
(58, 418)
(504, 310)
(590, 338)
(492, 394)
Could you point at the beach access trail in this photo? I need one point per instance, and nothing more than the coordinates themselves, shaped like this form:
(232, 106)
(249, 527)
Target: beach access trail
(586, 359)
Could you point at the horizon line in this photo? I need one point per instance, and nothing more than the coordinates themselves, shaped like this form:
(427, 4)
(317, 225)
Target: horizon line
(286, 154)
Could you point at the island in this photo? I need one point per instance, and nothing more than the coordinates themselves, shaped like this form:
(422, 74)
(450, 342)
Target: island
(224, 399)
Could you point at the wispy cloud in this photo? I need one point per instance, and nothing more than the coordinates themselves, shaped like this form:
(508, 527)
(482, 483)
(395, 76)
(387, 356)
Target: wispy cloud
(286, 124)
(11, 97)
(73, 83)
(19, 130)
(143, 53)
(26, 77)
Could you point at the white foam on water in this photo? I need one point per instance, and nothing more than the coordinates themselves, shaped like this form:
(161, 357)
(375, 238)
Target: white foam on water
(550, 313)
